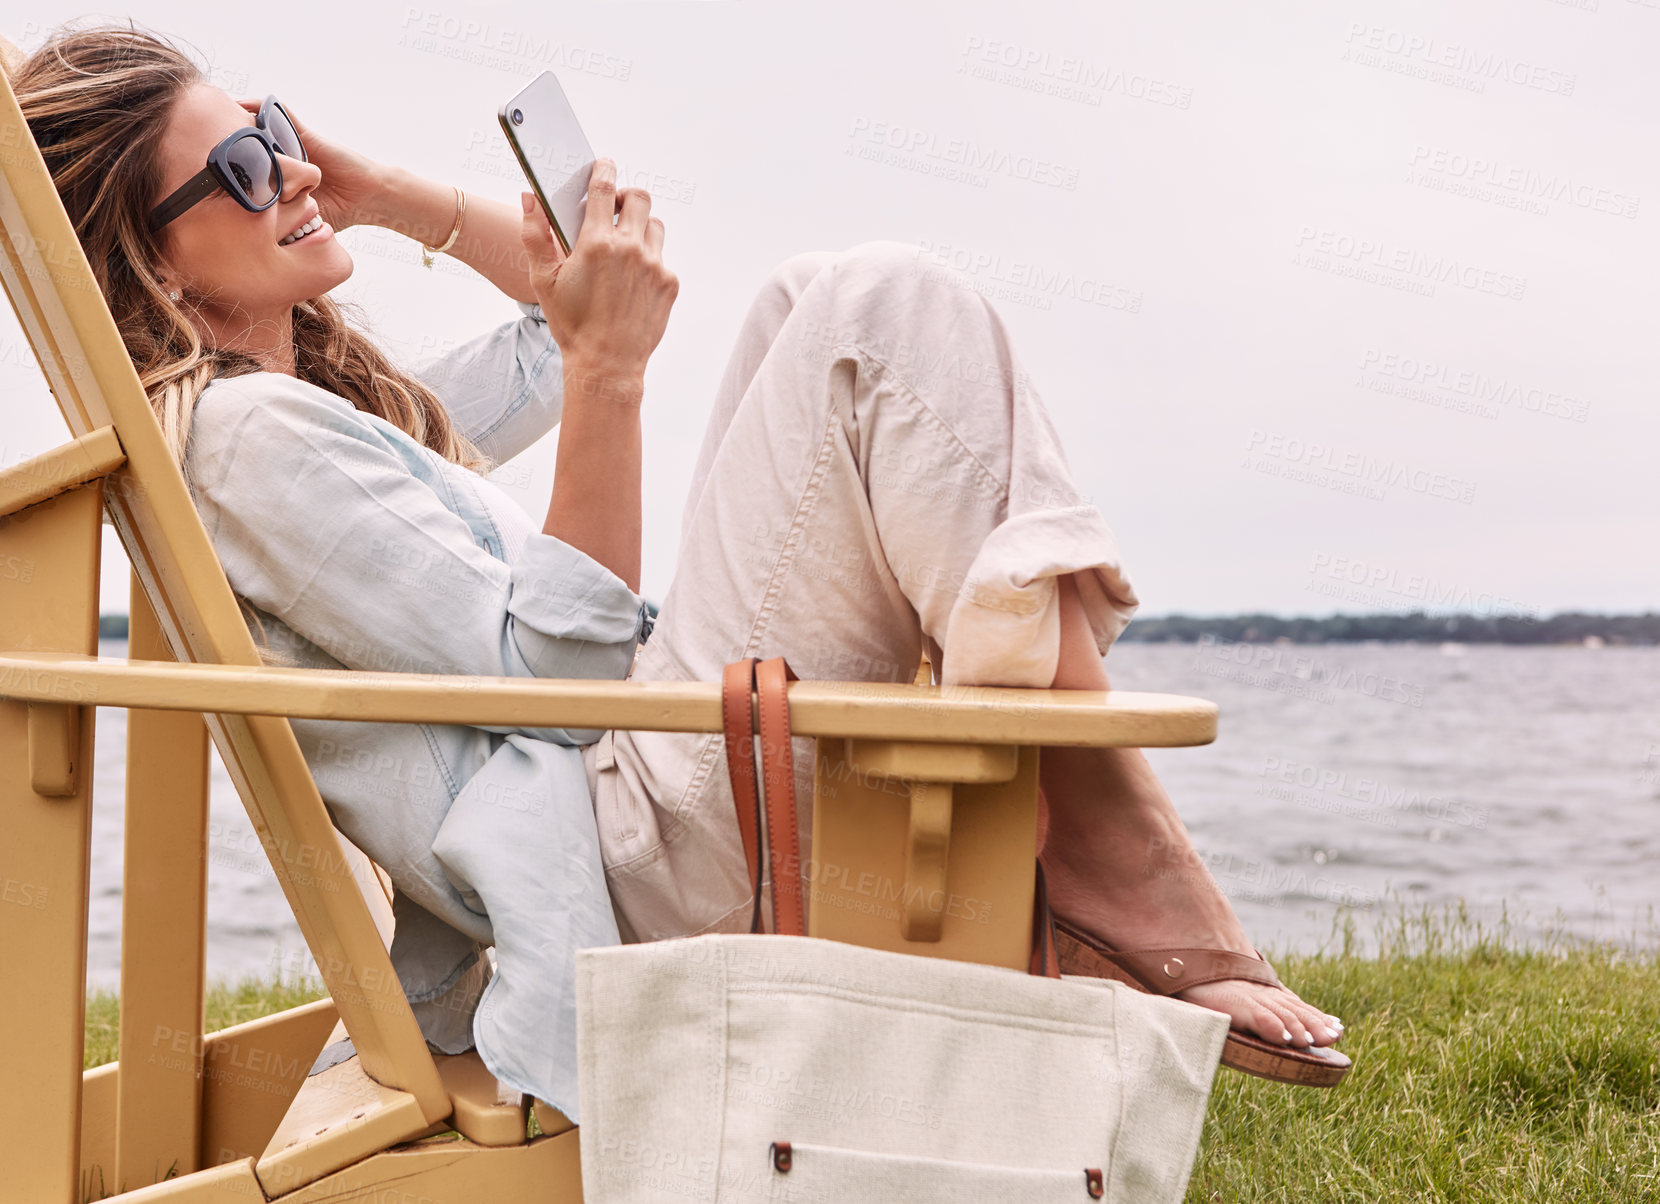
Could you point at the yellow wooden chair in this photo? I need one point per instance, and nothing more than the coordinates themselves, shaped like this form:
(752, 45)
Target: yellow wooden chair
(924, 795)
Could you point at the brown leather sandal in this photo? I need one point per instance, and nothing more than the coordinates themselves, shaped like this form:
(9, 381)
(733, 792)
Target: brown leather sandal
(1166, 971)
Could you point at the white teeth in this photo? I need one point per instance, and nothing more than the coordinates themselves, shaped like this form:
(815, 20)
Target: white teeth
(308, 228)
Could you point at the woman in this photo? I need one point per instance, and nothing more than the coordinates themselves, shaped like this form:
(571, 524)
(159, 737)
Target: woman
(878, 475)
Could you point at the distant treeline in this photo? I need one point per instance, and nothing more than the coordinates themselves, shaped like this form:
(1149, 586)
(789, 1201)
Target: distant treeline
(1569, 627)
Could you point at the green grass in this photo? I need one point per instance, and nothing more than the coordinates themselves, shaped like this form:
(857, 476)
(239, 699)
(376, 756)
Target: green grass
(226, 1004)
(1487, 1068)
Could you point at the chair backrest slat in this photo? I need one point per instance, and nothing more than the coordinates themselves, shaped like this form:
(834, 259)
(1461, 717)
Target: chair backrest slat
(64, 314)
(44, 844)
(163, 934)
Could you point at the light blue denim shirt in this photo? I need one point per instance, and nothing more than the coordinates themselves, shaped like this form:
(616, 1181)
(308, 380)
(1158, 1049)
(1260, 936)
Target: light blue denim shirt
(354, 546)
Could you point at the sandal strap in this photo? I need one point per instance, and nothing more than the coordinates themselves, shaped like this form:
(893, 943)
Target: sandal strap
(1166, 971)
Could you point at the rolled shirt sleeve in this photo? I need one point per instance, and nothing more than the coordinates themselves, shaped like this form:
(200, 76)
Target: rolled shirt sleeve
(333, 520)
(504, 389)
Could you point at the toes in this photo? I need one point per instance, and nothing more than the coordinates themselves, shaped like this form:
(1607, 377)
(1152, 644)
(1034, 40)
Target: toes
(1288, 1014)
(1307, 1024)
(1273, 1013)
(1325, 1027)
(1319, 1025)
(1271, 1023)
(1281, 1017)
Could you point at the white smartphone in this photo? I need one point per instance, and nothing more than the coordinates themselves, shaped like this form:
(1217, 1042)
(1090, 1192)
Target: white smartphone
(553, 151)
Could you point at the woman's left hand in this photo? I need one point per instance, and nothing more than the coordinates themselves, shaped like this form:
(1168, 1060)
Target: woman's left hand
(351, 182)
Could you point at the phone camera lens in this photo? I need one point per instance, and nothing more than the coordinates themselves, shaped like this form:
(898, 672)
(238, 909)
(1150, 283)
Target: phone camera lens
(518, 116)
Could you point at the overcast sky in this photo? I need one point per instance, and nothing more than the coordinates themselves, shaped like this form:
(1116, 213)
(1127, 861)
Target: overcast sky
(1323, 297)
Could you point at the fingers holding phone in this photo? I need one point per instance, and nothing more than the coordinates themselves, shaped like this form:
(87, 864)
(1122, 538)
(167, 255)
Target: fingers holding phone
(545, 252)
(608, 302)
(634, 205)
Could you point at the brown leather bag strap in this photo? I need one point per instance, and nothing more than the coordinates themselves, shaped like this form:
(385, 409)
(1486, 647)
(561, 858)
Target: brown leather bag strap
(789, 916)
(738, 721)
(768, 680)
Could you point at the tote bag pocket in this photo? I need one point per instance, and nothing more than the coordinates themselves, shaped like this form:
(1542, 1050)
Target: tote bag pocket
(697, 1053)
(807, 1173)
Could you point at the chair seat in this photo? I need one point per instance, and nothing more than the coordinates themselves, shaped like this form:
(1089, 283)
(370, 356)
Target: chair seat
(485, 1113)
(340, 1107)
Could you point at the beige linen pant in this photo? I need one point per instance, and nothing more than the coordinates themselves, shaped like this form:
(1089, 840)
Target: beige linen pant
(878, 472)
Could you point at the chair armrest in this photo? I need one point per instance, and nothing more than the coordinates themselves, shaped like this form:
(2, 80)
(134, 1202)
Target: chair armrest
(871, 710)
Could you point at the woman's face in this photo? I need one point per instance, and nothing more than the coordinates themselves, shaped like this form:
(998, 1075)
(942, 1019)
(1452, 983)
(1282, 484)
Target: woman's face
(230, 263)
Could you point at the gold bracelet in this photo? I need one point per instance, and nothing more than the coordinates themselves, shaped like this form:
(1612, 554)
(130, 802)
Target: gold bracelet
(460, 208)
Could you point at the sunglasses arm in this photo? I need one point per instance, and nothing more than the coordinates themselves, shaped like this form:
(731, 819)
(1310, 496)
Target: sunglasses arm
(184, 196)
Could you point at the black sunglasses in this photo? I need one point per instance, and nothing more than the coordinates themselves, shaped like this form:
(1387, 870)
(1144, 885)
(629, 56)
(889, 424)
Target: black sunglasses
(244, 165)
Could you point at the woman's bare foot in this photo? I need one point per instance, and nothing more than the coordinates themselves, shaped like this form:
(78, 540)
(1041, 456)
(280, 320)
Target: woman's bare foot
(1118, 862)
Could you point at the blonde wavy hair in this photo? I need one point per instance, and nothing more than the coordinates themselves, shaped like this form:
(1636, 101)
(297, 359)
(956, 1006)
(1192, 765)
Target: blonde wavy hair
(97, 100)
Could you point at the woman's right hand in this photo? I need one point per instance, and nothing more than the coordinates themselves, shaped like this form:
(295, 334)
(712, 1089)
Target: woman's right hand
(608, 302)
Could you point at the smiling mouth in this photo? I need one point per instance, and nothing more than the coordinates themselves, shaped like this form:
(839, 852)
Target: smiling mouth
(310, 227)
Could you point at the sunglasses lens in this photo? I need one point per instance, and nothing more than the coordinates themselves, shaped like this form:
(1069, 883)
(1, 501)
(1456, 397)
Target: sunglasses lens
(254, 169)
(288, 138)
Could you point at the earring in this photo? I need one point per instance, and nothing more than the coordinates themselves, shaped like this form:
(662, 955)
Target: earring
(172, 294)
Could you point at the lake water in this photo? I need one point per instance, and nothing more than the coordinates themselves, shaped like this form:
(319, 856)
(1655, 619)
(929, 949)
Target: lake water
(1343, 777)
